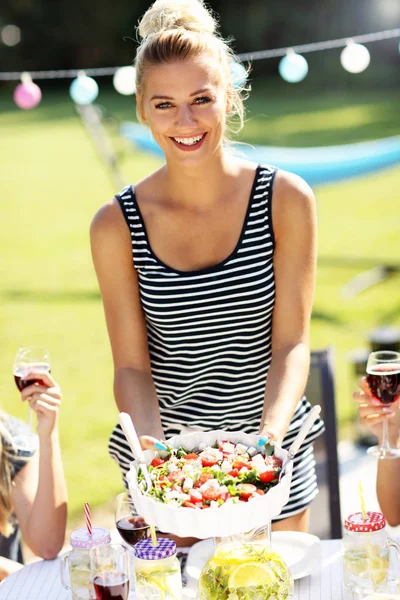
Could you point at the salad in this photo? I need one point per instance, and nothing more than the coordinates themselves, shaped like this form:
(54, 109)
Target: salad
(211, 476)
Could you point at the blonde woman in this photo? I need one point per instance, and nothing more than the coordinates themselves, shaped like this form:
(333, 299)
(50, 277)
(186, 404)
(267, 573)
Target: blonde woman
(33, 497)
(206, 267)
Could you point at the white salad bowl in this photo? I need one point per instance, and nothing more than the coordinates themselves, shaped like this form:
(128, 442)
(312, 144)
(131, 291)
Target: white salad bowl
(225, 520)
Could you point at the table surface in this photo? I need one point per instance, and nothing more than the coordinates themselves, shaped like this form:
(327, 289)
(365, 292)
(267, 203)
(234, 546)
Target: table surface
(41, 580)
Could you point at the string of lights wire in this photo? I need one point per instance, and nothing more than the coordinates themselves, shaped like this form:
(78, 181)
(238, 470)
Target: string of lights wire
(247, 56)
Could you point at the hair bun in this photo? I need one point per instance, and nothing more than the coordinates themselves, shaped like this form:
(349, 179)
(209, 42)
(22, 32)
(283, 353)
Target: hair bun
(165, 15)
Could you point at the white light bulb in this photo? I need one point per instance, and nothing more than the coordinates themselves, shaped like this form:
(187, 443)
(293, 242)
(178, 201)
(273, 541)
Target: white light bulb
(124, 80)
(355, 58)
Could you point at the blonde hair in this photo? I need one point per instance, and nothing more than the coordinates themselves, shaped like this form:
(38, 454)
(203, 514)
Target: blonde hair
(182, 29)
(6, 505)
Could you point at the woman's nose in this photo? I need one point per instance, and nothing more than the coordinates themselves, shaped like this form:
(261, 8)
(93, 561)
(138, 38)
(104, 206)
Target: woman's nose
(185, 116)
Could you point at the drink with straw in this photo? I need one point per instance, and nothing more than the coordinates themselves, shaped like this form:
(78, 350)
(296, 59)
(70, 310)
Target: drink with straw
(366, 551)
(157, 569)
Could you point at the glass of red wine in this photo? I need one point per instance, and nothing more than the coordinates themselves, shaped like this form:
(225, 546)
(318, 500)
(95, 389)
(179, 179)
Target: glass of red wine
(30, 359)
(111, 581)
(131, 526)
(383, 377)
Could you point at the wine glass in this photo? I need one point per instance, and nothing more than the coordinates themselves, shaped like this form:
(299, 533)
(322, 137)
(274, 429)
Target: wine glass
(131, 526)
(111, 574)
(30, 359)
(383, 376)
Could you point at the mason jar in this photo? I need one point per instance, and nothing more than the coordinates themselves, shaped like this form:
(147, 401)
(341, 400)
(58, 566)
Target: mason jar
(157, 570)
(366, 553)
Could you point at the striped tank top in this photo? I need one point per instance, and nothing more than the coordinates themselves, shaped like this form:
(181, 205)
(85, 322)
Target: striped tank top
(209, 330)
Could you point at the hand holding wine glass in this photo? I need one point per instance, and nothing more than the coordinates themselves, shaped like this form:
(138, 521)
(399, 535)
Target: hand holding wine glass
(29, 366)
(378, 401)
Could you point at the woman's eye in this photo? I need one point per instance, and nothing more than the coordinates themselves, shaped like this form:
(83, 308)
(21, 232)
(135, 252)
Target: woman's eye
(163, 105)
(203, 100)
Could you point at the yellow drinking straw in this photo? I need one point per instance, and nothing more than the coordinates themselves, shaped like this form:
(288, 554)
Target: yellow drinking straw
(362, 501)
(153, 536)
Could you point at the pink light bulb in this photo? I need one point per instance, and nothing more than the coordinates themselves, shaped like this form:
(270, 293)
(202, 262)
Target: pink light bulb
(27, 95)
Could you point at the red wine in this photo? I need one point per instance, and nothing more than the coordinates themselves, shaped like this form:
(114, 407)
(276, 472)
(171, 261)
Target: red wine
(111, 585)
(21, 372)
(384, 382)
(133, 529)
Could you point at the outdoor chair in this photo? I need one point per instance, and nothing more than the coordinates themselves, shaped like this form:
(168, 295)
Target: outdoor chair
(320, 389)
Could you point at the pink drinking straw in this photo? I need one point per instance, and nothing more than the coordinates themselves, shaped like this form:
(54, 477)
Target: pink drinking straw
(88, 518)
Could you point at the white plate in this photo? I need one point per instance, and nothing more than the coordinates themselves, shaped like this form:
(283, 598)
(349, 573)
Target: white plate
(300, 551)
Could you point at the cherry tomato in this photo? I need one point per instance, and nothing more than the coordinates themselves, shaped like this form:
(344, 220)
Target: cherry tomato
(189, 504)
(195, 495)
(202, 479)
(239, 463)
(233, 473)
(211, 494)
(191, 456)
(267, 476)
(157, 462)
(208, 460)
(246, 490)
(178, 475)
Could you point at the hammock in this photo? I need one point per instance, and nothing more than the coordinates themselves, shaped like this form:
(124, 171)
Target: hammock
(325, 164)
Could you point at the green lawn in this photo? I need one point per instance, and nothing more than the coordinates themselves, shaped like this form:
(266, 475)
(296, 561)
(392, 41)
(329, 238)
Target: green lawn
(52, 183)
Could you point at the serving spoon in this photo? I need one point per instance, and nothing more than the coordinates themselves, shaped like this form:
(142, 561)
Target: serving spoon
(300, 437)
(132, 437)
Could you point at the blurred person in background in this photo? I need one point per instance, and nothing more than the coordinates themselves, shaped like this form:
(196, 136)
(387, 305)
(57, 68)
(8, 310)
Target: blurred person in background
(33, 495)
(372, 413)
(207, 267)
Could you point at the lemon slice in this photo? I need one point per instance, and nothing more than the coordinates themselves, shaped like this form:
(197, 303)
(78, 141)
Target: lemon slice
(251, 574)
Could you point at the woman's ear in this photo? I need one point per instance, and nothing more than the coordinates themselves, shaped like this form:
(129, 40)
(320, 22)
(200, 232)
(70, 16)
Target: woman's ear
(140, 108)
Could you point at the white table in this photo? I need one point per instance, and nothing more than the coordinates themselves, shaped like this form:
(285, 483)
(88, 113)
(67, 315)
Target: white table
(41, 580)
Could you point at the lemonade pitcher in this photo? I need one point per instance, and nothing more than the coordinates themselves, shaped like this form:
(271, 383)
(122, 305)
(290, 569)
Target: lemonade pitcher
(366, 553)
(245, 568)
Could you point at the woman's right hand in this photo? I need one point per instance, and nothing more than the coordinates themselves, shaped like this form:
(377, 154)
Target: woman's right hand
(372, 413)
(149, 442)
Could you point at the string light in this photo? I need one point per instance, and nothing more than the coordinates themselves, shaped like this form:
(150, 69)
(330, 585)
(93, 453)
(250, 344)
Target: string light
(83, 89)
(27, 94)
(293, 68)
(355, 58)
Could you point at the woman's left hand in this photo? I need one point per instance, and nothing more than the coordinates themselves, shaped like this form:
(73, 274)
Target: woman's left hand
(45, 400)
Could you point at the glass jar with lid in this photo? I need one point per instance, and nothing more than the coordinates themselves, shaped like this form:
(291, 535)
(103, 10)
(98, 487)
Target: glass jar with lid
(366, 553)
(78, 565)
(157, 570)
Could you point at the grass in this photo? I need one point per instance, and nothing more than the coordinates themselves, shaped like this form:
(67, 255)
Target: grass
(52, 182)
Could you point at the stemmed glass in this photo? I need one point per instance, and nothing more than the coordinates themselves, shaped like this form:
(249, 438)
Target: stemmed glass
(111, 579)
(383, 376)
(131, 527)
(30, 359)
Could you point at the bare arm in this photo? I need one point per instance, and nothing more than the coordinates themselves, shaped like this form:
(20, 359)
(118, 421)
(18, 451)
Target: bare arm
(134, 388)
(372, 412)
(39, 489)
(294, 221)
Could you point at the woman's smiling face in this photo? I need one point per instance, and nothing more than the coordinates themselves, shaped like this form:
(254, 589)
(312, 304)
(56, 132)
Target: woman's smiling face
(185, 104)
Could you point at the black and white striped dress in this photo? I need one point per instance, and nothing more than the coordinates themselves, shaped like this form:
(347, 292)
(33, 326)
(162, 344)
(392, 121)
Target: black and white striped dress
(209, 335)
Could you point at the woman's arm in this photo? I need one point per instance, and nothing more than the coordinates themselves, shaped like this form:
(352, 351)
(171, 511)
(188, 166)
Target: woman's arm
(294, 223)
(39, 489)
(372, 413)
(134, 388)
